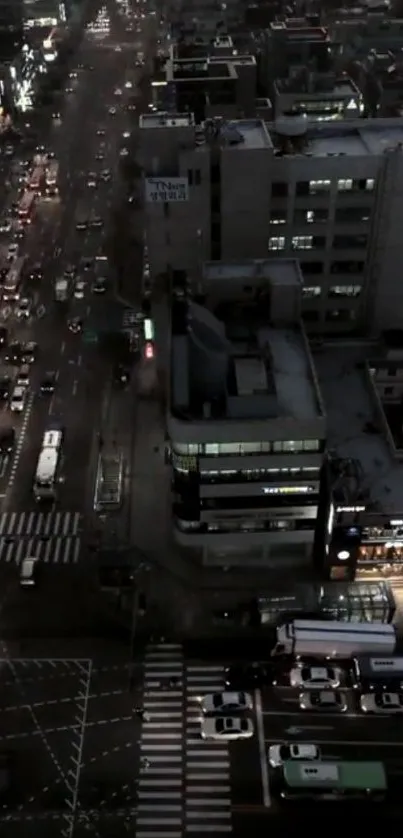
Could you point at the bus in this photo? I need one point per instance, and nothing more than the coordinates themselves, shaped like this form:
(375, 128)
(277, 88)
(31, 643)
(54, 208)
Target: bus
(36, 179)
(52, 177)
(378, 673)
(26, 206)
(332, 781)
(46, 478)
(12, 282)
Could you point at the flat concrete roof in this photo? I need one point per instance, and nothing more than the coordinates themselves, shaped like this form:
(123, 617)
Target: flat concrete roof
(370, 139)
(349, 410)
(161, 119)
(279, 271)
(295, 390)
(253, 132)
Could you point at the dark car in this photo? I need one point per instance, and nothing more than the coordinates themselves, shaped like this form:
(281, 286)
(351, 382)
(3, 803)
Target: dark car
(121, 375)
(87, 263)
(29, 352)
(3, 336)
(7, 440)
(14, 353)
(99, 285)
(251, 676)
(48, 383)
(35, 272)
(5, 387)
(75, 325)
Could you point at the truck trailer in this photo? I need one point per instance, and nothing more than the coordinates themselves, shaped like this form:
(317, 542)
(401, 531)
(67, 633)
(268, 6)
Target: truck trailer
(323, 639)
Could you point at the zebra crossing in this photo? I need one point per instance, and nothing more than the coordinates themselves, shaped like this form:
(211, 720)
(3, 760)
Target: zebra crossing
(184, 783)
(51, 537)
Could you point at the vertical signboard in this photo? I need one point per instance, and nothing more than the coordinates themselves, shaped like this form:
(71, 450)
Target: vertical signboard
(159, 190)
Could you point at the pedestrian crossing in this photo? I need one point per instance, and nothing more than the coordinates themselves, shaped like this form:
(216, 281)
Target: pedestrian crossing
(51, 537)
(184, 783)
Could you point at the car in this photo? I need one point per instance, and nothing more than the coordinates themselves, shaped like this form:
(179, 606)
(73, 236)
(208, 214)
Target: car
(121, 375)
(79, 289)
(14, 352)
(128, 85)
(48, 383)
(126, 135)
(100, 155)
(69, 272)
(5, 225)
(100, 132)
(282, 752)
(382, 703)
(3, 336)
(253, 676)
(124, 152)
(97, 221)
(99, 285)
(69, 89)
(29, 352)
(5, 387)
(19, 231)
(75, 325)
(106, 175)
(87, 263)
(35, 273)
(118, 91)
(315, 677)
(92, 180)
(24, 309)
(226, 728)
(18, 398)
(12, 251)
(23, 376)
(56, 115)
(226, 702)
(7, 440)
(112, 111)
(73, 74)
(323, 700)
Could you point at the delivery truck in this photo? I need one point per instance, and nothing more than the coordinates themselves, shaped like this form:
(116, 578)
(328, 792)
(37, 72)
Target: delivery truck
(328, 639)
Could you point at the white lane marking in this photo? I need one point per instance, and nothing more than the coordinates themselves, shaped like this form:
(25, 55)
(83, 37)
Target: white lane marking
(262, 750)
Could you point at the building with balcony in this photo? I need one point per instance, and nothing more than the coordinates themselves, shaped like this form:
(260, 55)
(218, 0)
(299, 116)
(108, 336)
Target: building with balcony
(246, 423)
(327, 194)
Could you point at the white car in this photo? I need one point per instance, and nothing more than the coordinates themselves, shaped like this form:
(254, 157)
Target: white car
(12, 251)
(226, 728)
(226, 702)
(331, 701)
(281, 753)
(382, 703)
(17, 401)
(24, 309)
(118, 91)
(79, 289)
(112, 111)
(5, 225)
(315, 677)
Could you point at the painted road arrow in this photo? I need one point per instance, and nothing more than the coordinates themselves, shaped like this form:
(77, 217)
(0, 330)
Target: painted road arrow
(294, 731)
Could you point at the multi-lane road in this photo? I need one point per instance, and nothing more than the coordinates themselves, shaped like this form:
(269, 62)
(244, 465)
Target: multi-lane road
(87, 139)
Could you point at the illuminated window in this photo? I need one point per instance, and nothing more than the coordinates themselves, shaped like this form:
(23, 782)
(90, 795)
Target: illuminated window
(316, 186)
(310, 291)
(302, 242)
(276, 243)
(344, 184)
(278, 217)
(345, 291)
(369, 184)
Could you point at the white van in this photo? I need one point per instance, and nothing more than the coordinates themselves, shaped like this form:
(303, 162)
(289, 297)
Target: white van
(28, 572)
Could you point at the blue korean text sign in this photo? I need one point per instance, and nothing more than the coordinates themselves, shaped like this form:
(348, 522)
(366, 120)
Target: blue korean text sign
(160, 190)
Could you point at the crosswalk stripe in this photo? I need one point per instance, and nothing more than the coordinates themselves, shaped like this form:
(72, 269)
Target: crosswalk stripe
(50, 537)
(63, 524)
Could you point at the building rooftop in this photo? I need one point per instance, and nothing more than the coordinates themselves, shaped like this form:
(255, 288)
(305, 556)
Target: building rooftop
(323, 86)
(355, 138)
(166, 120)
(282, 271)
(232, 364)
(353, 429)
